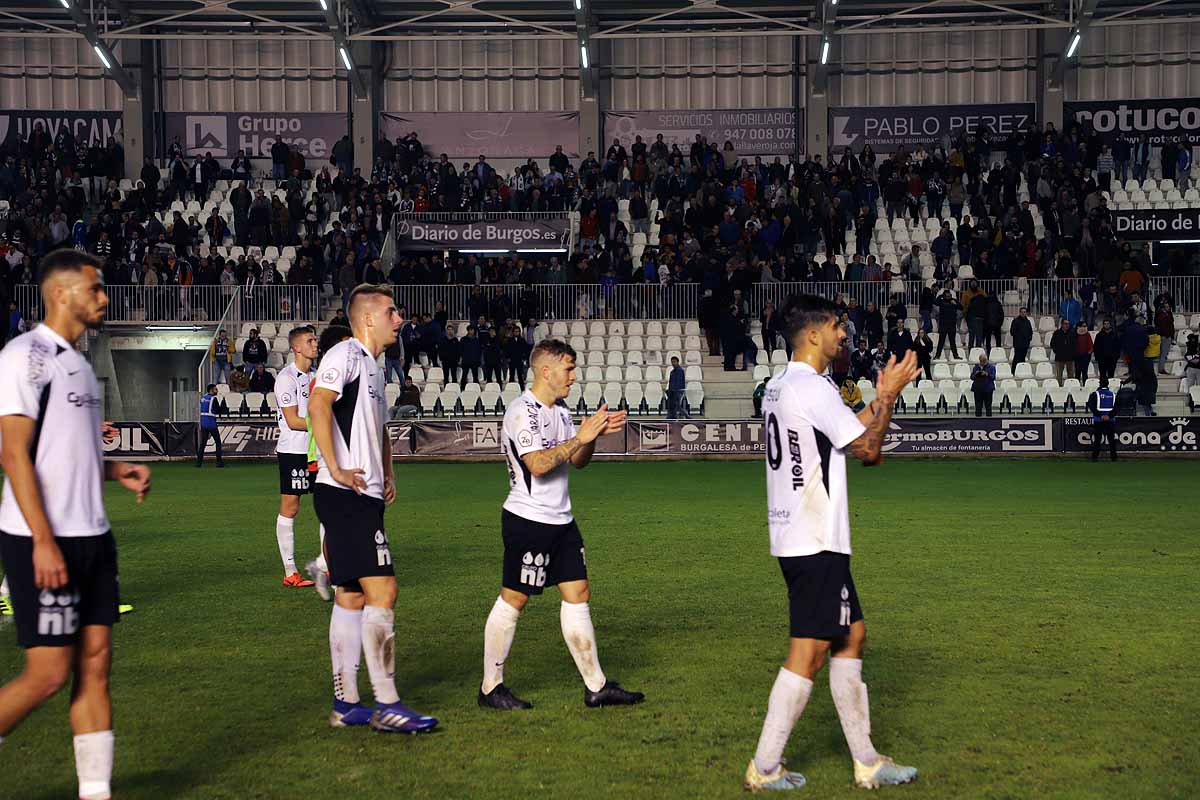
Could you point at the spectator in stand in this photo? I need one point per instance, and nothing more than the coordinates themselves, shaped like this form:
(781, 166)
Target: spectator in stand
(254, 351)
(872, 325)
(948, 307)
(208, 426)
(1134, 341)
(976, 313)
(472, 356)
(516, 354)
(993, 330)
(1164, 322)
(1121, 152)
(851, 395)
(449, 354)
(1021, 331)
(760, 391)
(1183, 166)
(899, 340)
(676, 385)
(983, 386)
(862, 362)
(1063, 344)
(1153, 345)
(1143, 375)
(410, 338)
(239, 381)
(219, 353)
(393, 362)
(408, 404)
(492, 358)
(16, 323)
(261, 380)
(1191, 372)
(1105, 166)
(1083, 351)
(1070, 309)
(771, 326)
(924, 347)
(1107, 349)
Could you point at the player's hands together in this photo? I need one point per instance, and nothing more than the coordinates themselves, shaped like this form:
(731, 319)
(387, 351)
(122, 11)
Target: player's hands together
(616, 421)
(49, 568)
(896, 375)
(594, 425)
(350, 478)
(108, 431)
(134, 477)
(389, 490)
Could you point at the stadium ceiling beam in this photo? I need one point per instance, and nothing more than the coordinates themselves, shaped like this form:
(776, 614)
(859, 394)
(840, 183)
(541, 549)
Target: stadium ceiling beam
(820, 71)
(1127, 12)
(122, 8)
(762, 18)
(1083, 20)
(215, 5)
(466, 6)
(342, 46)
(1011, 10)
(903, 12)
(608, 33)
(103, 52)
(39, 23)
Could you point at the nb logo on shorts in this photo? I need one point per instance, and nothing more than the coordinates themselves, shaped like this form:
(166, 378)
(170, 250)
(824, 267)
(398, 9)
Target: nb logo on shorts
(382, 554)
(300, 479)
(844, 618)
(533, 568)
(58, 615)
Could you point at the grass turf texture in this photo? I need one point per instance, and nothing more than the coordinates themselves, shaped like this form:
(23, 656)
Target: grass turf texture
(1031, 634)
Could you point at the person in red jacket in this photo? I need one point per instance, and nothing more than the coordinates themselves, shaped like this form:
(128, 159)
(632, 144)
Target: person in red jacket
(1083, 351)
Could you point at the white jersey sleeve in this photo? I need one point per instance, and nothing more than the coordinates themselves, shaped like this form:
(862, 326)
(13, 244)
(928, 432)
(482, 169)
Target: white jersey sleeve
(829, 415)
(25, 365)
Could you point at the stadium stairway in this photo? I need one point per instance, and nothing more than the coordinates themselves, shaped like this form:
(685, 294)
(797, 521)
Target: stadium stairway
(727, 395)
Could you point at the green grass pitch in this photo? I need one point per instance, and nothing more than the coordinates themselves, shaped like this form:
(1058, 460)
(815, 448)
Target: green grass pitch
(1032, 634)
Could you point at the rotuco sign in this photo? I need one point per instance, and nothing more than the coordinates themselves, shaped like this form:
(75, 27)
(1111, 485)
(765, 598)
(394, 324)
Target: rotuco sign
(1160, 119)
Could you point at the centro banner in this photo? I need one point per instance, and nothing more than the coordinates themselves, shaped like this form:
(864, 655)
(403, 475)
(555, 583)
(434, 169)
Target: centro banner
(500, 234)
(1137, 435)
(482, 437)
(223, 134)
(765, 131)
(90, 127)
(1160, 119)
(887, 128)
(1158, 224)
(524, 134)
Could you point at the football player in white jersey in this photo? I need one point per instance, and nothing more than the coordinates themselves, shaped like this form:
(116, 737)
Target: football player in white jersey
(542, 543)
(809, 431)
(291, 393)
(58, 552)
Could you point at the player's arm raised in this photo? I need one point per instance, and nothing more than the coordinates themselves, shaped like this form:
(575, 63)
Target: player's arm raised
(542, 462)
(320, 411)
(16, 439)
(867, 448)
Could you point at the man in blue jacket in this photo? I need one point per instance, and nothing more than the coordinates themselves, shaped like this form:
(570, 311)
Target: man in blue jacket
(208, 426)
(1103, 405)
(676, 383)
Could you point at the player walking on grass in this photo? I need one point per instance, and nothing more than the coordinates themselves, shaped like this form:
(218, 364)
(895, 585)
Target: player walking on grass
(354, 484)
(542, 543)
(58, 552)
(318, 568)
(291, 393)
(809, 432)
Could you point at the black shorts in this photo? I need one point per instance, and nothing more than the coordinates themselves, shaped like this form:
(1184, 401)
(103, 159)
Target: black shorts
(293, 473)
(356, 545)
(55, 618)
(822, 600)
(537, 555)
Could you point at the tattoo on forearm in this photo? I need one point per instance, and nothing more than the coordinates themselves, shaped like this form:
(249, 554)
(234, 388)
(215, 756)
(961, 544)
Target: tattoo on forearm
(542, 461)
(867, 446)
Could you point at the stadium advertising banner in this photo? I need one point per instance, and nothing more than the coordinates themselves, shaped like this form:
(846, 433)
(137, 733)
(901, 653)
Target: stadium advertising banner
(1157, 224)
(758, 131)
(699, 437)
(91, 127)
(482, 438)
(223, 134)
(1161, 119)
(500, 234)
(523, 134)
(249, 439)
(970, 435)
(886, 128)
(137, 440)
(1137, 435)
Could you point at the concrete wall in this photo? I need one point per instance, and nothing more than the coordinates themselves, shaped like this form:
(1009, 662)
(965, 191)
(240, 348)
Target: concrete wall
(144, 378)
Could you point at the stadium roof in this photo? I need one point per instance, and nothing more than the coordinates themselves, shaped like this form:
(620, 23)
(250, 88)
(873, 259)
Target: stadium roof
(471, 19)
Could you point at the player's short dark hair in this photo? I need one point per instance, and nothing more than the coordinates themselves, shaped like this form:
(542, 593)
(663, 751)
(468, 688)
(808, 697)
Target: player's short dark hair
(210, 387)
(804, 311)
(66, 259)
(299, 331)
(551, 348)
(331, 336)
(365, 289)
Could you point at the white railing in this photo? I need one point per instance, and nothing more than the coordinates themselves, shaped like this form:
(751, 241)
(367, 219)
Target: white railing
(129, 303)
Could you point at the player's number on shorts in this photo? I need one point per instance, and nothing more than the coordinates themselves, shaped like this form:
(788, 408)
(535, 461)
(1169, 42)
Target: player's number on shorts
(774, 443)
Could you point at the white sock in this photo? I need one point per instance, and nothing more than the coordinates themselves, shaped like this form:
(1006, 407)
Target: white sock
(321, 563)
(850, 697)
(94, 764)
(345, 651)
(285, 534)
(789, 696)
(577, 629)
(379, 647)
(497, 641)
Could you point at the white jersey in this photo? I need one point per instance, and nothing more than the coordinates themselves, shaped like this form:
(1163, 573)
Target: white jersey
(291, 390)
(807, 427)
(46, 379)
(359, 414)
(531, 426)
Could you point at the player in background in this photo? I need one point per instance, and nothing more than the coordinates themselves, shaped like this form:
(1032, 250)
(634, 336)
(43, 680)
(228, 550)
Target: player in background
(809, 431)
(542, 543)
(318, 568)
(354, 485)
(291, 393)
(58, 552)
